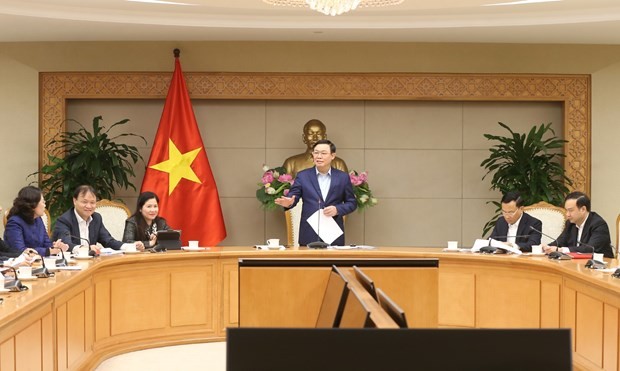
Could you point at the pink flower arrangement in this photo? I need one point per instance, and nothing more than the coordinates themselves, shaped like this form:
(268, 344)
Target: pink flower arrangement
(276, 182)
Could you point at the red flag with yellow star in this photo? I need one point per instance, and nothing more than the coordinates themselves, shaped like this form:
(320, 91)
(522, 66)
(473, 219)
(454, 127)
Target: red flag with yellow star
(179, 172)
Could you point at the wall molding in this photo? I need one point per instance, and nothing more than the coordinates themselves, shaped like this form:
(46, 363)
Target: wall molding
(574, 91)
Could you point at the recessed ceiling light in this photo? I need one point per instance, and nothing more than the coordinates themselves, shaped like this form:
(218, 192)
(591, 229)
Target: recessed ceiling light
(522, 2)
(159, 2)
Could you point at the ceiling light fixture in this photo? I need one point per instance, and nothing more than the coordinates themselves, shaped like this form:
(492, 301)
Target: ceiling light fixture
(334, 7)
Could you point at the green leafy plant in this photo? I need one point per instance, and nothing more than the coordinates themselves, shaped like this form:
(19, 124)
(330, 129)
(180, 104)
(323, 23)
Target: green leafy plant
(87, 157)
(530, 164)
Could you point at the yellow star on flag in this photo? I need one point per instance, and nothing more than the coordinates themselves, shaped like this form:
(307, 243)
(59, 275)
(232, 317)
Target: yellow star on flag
(178, 165)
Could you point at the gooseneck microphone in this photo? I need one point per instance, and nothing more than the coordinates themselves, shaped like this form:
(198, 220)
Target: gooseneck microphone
(14, 285)
(42, 272)
(318, 244)
(557, 255)
(90, 252)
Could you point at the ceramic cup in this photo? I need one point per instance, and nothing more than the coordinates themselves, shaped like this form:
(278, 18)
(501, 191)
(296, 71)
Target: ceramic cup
(273, 242)
(193, 244)
(453, 245)
(24, 272)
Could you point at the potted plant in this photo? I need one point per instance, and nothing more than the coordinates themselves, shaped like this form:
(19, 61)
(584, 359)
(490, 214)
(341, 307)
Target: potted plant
(530, 164)
(87, 157)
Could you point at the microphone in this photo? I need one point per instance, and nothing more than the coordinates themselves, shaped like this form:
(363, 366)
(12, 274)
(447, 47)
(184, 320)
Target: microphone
(14, 285)
(42, 272)
(492, 249)
(318, 244)
(557, 255)
(616, 274)
(90, 252)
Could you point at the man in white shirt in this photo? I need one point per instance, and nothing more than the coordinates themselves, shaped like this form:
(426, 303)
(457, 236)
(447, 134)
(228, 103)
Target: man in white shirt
(584, 230)
(515, 226)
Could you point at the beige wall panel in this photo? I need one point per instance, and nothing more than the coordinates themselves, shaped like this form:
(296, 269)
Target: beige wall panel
(589, 329)
(233, 170)
(28, 348)
(130, 296)
(76, 342)
(245, 222)
(414, 125)
(231, 124)
(605, 134)
(354, 228)
(421, 174)
(344, 121)
(610, 338)
(413, 222)
(507, 302)
(482, 117)
(19, 95)
(473, 184)
(7, 354)
(475, 213)
(457, 299)
(191, 302)
(549, 305)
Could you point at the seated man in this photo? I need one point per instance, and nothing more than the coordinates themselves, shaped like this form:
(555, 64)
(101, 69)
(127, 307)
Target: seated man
(82, 223)
(584, 230)
(514, 225)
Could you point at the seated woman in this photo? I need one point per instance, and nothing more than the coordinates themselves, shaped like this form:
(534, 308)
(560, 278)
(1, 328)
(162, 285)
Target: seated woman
(143, 225)
(25, 229)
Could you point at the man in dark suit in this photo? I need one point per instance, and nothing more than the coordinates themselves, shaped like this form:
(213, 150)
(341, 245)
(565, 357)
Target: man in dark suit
(321, 186)
(82, 221)
(584, 229)
(516, 224)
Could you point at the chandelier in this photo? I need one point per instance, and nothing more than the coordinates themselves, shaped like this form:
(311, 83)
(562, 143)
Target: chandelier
(334, 7)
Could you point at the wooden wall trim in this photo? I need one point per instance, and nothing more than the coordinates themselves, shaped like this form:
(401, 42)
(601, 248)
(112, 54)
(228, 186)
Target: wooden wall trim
(574, 91)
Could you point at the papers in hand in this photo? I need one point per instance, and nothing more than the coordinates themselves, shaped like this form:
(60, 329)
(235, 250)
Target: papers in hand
(329, 229)
(495, 243)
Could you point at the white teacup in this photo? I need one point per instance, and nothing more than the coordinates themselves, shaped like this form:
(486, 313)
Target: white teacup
(50, 262)
(193, 244)
(273, 242)
(537, 249)
(453, 245)
(24, 272)
(82, 251)
(598, 257)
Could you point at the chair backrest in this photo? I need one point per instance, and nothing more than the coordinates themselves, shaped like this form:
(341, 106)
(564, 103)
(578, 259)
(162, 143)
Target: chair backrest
(293, 219)
(397, 314)
(366, 281)
(114, 214)
(45, 218)
(333, 300)
(552, 218)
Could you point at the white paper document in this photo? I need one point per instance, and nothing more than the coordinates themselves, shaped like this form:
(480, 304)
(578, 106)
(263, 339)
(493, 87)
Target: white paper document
(495, 243)
(326, 227)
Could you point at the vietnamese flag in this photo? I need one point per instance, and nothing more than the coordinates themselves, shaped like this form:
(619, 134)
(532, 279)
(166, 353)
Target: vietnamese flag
(178, 170)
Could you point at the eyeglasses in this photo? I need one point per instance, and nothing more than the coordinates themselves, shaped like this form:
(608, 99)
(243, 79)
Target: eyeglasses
(321, 154)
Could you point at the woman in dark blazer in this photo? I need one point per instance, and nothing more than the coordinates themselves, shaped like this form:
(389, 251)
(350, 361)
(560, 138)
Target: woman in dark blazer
(143, 225)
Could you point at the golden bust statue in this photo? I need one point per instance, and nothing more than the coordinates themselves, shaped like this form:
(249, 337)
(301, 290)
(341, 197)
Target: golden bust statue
(314, 130)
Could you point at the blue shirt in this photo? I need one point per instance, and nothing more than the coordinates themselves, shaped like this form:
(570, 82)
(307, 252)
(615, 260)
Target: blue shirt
(325, 181)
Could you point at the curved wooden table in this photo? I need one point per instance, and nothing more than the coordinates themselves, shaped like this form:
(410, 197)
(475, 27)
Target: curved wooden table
(118, 304)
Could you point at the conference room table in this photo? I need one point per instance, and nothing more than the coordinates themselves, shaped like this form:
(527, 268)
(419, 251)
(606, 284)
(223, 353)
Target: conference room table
(121, 303)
